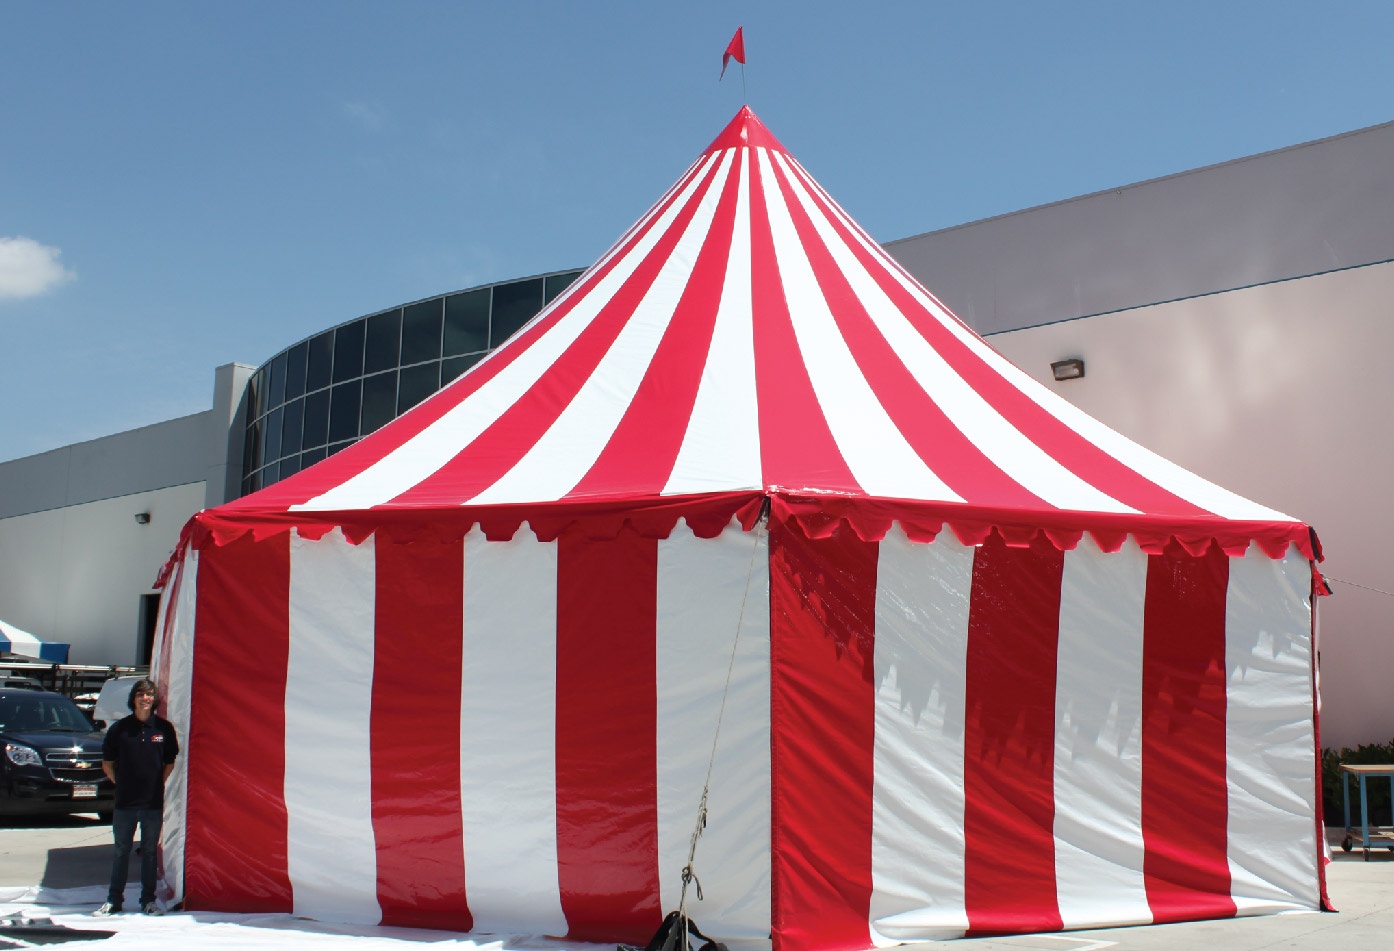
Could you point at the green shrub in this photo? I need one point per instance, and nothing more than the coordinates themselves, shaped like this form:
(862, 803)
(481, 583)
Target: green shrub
(1376, 791)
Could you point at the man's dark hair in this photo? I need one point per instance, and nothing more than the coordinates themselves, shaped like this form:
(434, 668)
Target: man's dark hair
(144, 685)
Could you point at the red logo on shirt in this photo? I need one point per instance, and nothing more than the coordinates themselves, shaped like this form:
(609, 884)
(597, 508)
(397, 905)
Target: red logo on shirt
(157, 738)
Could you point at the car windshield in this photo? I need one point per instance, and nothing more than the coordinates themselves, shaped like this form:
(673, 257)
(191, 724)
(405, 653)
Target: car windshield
(40, 711)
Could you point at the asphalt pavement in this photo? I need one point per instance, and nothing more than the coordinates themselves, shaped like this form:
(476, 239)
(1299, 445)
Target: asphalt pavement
(60, 854)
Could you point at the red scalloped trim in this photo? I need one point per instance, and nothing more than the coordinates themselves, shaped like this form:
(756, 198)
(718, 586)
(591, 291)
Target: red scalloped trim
(870, 519)
(706, 517)
(816, 516)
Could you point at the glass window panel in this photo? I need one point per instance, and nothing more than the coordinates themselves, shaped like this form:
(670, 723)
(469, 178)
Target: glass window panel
(417, 383)
(311, 456)
(316, 428)
(290, 465)
(348, 351)
(554, 285)
(450, 369)
(514, 305)
(255, 389)
(467, 322)
(273, 434)
(257, 482)
(295, 371)
(321, 358)
(271, 474)
(337, 446)
(343, 410)
(379, 400)
(384, 341)
(251, 452)
(290, 428)
(249, 485)
(421, 332)
(278, 381)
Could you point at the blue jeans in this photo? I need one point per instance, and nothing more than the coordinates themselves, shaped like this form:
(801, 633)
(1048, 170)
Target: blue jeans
(123, 829)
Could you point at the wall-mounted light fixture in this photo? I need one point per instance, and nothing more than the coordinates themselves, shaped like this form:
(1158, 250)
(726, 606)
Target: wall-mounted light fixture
(142, 518)
(1071, 369)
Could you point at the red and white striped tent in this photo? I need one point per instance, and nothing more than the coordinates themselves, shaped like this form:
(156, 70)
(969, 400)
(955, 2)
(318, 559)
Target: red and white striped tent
(745, 508)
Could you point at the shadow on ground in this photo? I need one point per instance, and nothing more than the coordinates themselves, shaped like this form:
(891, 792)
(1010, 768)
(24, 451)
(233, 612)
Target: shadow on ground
(82, 865)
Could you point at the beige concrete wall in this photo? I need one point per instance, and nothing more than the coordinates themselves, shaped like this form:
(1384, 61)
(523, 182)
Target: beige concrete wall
(1283, 393)
(75, 574)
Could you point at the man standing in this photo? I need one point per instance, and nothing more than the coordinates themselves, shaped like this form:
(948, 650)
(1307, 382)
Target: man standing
(138, 756)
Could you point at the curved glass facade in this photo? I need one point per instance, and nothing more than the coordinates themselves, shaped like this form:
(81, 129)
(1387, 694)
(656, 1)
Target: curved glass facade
(330, 390)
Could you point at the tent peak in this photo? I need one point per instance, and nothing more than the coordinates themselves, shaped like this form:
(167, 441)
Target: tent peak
(746, 130)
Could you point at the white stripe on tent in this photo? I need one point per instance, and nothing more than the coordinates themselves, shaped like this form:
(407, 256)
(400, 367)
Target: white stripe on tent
(721, 447)
(702, 589)
(580, 432)
(429, 450)
(508, 775)
(1269, 735)
(178, 687)
(875, 451)
(1098, 739)
(1005, 446)
(917, 842)
(331, 855)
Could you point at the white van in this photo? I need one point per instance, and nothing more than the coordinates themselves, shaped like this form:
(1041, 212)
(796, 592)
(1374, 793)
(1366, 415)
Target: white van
(111, 702)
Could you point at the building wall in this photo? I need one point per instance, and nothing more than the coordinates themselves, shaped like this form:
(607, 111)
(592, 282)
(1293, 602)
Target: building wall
(1279, 392)
(74, 562)
(75, 574)
(1302, 210)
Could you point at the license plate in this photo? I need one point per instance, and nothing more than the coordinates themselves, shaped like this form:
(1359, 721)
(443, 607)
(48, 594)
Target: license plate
(84, 792)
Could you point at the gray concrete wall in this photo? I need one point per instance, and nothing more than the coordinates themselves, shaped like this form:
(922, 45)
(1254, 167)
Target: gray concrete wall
(76, 574)
(224, 439)
(1302, 210)
(152, 457)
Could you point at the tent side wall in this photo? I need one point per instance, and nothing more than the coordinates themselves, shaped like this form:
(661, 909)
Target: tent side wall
(919, 739)
(479, 735)
(989, 739)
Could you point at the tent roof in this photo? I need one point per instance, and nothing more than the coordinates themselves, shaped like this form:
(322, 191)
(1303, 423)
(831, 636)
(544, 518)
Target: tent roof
(747, 336)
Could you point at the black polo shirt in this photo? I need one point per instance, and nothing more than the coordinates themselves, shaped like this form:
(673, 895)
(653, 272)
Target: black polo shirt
(140, 751)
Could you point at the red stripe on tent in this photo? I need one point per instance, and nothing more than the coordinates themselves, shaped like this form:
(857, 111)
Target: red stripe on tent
(1185, 804)
(641, 453)
(797, 449)
(1009, 739)
(822, 740)
(341, 466)
(945, 449)
(235, 841)
(417, 823)
(498, 448)
(607, 786)
(1082, 457)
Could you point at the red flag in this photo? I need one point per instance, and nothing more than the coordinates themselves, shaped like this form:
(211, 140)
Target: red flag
(735, 48)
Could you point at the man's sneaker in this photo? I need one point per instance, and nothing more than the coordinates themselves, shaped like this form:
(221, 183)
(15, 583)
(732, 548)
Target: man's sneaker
(107, 909)
(150, 908)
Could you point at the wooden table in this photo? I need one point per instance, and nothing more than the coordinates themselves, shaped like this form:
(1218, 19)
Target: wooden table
(1370, 836)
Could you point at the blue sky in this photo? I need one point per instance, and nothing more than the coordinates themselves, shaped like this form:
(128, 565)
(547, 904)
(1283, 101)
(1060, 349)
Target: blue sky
(189, 184)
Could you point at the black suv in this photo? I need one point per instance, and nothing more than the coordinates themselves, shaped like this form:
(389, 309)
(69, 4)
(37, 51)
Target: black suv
(51, 760)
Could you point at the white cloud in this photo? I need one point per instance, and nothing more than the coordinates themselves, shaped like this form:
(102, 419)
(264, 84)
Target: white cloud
(367, 114)
(28, 269)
